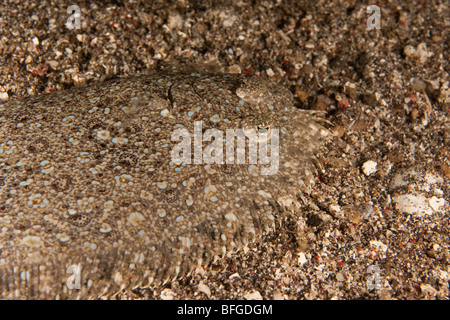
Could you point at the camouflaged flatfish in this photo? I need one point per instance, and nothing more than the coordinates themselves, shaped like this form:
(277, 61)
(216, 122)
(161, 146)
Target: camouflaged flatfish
(92, 200)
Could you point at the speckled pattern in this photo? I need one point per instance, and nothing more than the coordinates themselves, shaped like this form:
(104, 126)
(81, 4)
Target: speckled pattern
(87, 179)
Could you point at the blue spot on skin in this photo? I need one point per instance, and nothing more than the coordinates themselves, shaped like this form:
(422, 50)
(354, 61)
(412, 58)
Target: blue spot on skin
(241, 102)
(237, 109)
(271, 107)
(215, 118)
(159, 80)
(227, 101)
(162, 186)
(93, 171)
(250, 167)
(165, 145)
(115, 140)
(65, 119)
(170, 163)
(44, 203)
(177, 169)
(220, 89)
(190, 113)
(83, 161)
(214, 199)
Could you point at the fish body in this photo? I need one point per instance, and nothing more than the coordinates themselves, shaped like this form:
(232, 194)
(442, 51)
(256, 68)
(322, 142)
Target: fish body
(94, 200)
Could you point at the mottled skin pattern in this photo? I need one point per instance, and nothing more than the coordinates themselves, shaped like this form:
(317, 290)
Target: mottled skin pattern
(86, 179)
